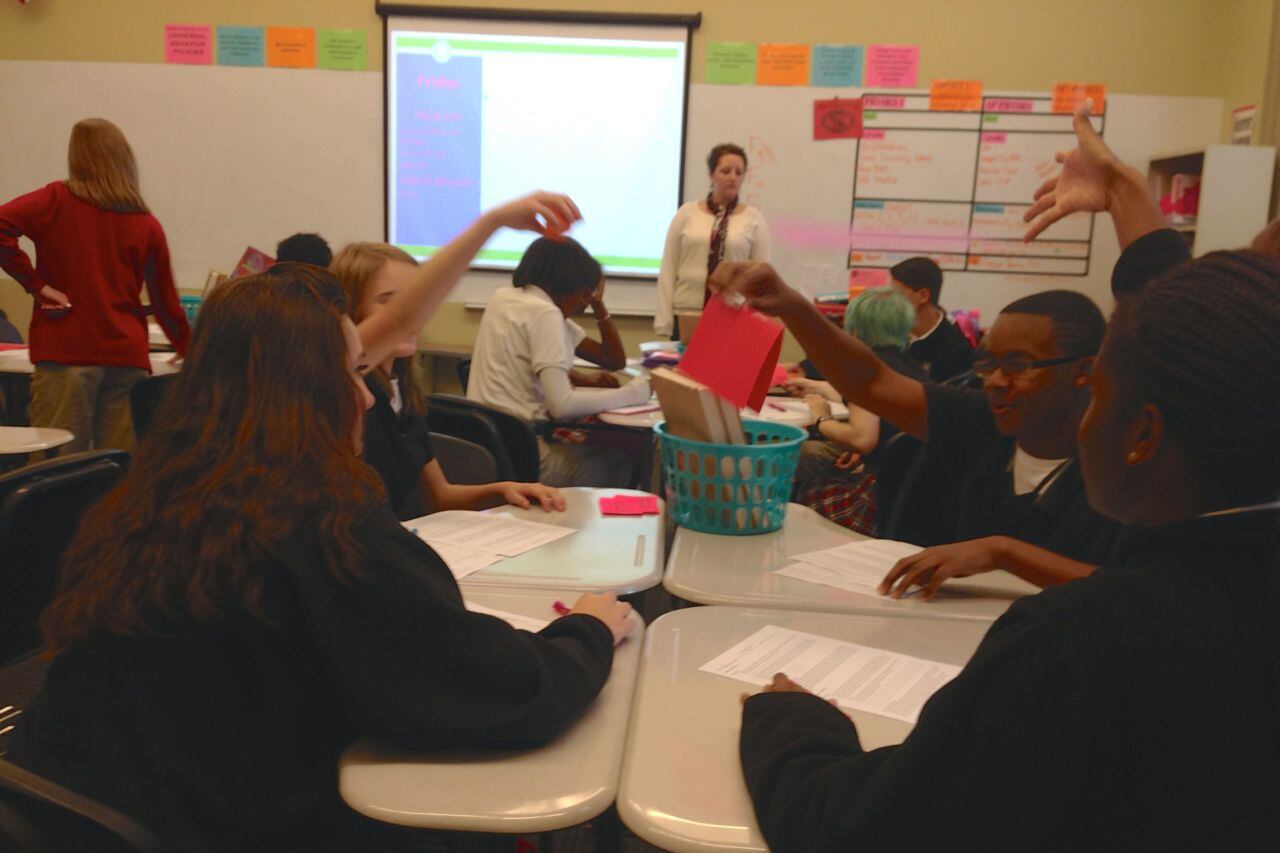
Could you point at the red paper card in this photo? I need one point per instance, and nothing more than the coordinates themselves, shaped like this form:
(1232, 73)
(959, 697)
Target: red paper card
(629, 505)
(838, 118)
(252, 262)
(733, 352)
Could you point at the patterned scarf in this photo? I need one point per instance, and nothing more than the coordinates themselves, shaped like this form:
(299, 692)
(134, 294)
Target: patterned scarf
(719, 233)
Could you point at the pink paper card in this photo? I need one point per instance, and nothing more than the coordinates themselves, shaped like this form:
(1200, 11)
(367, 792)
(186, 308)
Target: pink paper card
(252, 262)
(892, 66)
(188, 44)
(733, 352)
(629, 505)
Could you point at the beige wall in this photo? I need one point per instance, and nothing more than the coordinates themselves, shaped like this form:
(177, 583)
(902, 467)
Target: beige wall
(1216, 48)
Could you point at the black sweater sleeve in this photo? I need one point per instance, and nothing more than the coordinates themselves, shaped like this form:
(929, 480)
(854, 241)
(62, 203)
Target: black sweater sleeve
(1147, 257)
(985, 767)
(417, 669)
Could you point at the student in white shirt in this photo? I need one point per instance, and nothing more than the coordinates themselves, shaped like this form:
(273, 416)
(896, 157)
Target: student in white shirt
(705, 232)
(524, 357)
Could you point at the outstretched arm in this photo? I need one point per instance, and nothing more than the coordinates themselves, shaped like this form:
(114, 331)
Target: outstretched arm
(847, 363)
(409, 310)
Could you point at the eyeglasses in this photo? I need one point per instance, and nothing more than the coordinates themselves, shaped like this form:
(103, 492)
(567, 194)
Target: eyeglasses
(1015, 363)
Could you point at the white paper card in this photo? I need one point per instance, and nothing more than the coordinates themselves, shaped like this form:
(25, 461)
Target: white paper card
(856, 566)
(861, 678)
(515, 620)
(494, 534)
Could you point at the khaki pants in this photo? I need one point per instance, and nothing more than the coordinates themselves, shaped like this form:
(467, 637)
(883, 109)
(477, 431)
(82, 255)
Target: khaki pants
(565, 465)
(92, 403)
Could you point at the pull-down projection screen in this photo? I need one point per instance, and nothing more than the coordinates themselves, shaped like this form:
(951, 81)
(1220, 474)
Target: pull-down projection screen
(481, 111)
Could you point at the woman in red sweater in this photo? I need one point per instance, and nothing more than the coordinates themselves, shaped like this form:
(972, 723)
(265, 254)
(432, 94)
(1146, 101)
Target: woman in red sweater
(96, 245)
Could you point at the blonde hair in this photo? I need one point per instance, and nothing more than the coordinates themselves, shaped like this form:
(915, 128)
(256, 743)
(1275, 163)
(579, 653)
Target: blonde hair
(355, 266)
(102, 169)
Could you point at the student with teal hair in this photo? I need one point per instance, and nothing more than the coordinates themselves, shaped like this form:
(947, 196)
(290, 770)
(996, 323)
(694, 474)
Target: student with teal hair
(836, 474)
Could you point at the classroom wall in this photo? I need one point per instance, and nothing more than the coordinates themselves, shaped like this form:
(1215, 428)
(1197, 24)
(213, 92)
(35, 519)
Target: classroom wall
(1216, 48)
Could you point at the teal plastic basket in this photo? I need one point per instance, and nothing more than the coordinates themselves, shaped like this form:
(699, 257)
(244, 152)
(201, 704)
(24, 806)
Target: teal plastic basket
(191, 306)
(733, 489)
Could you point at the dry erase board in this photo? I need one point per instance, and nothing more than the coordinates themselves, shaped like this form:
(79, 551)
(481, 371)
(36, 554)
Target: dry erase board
(232, 157)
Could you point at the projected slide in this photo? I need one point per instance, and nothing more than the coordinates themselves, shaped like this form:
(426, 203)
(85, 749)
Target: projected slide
(475, 119)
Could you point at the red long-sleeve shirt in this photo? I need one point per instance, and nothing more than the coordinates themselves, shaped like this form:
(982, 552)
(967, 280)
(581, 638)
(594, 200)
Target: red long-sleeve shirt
(100, 259)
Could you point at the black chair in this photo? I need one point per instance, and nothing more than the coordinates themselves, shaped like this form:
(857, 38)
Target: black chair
(464, 372)
(39, 816)
(512, 442)
(144, 399)
(917, 496)
(40, 507)
(464, 462)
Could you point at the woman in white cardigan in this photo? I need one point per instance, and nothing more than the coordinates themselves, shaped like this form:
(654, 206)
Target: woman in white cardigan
(703, 233)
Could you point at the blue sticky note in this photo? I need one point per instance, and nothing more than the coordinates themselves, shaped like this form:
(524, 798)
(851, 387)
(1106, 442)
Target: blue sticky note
(835, 65)
(241, 46)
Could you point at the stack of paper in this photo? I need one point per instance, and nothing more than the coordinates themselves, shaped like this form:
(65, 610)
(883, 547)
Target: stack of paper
(694, 411)
(470, 541)
(855, 566)
(857, 677)
(515, 620)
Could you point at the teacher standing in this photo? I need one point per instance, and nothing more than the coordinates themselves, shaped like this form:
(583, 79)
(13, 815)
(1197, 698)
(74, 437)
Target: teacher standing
(704, 233)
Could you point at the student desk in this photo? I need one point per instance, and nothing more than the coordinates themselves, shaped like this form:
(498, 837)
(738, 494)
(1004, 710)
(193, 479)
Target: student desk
(566, 782)
(739, 570)
(17, 439)
(622, 554)
(682, 787)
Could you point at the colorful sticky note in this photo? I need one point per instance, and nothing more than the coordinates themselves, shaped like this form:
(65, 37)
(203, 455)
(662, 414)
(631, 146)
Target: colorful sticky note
(732, 62)
(892, 66)
(782, 65)
(955, 95)
(291, 47)
(733, 352)
(252, 262)
(868, 277)
(341, 50)
(1068, 96)
(188, 44)
(629, 505)
(838, 118)
(835, 65)
(244, 46)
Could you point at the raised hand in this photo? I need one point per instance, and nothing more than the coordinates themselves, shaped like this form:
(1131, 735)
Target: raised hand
(1089, 173)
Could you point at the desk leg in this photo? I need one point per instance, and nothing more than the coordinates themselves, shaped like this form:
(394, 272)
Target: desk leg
(607, 829)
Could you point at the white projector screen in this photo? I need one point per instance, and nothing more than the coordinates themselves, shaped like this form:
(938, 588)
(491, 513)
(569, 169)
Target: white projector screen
(482, 111)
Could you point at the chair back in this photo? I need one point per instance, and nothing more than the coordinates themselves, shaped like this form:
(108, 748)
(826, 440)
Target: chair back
(464, 372)
(144, 399)
(509, 439)
(40, 509)
(39, 816)
(464, 462)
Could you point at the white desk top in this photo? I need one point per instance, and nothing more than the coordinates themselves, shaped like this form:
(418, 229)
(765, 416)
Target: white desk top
(562, 784)
(19, 361)
(682, 785)
(739, 570)
(783, 410)
(621, 554)
(16, 439)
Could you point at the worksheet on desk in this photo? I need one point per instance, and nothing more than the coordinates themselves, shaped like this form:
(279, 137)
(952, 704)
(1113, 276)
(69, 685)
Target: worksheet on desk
(858, 677)
(854, 566)
(494, 534)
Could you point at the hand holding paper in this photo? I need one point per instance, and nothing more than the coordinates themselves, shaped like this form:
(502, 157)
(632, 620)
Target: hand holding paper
(734, 352)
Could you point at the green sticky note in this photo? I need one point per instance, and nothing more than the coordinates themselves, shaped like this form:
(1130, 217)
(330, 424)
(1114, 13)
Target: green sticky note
(989, 119)
(732, 62)
(241, 46)
(341, 50)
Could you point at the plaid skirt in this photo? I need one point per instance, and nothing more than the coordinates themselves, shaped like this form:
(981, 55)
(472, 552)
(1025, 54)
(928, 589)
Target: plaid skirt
(849, 501)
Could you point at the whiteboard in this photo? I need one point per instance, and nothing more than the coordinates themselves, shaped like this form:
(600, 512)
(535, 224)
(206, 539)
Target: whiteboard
(232, 157)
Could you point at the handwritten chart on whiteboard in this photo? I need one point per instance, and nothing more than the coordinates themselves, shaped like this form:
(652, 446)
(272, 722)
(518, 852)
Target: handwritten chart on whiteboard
(954, 185)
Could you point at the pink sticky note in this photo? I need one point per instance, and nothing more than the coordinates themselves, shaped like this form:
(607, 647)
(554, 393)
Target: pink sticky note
(629, 505)
(188, 44)
(892, 66)
(733, 352)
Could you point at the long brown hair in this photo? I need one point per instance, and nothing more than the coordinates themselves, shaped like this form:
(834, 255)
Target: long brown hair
(254, 442)
(102, 169)
(355, 266)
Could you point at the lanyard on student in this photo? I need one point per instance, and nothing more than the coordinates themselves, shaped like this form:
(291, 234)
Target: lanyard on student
(1238, 510)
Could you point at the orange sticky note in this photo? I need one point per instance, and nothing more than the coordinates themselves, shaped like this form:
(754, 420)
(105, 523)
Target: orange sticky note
(1068, 96)
(955, 95)
(782, 65)
(291, 47)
